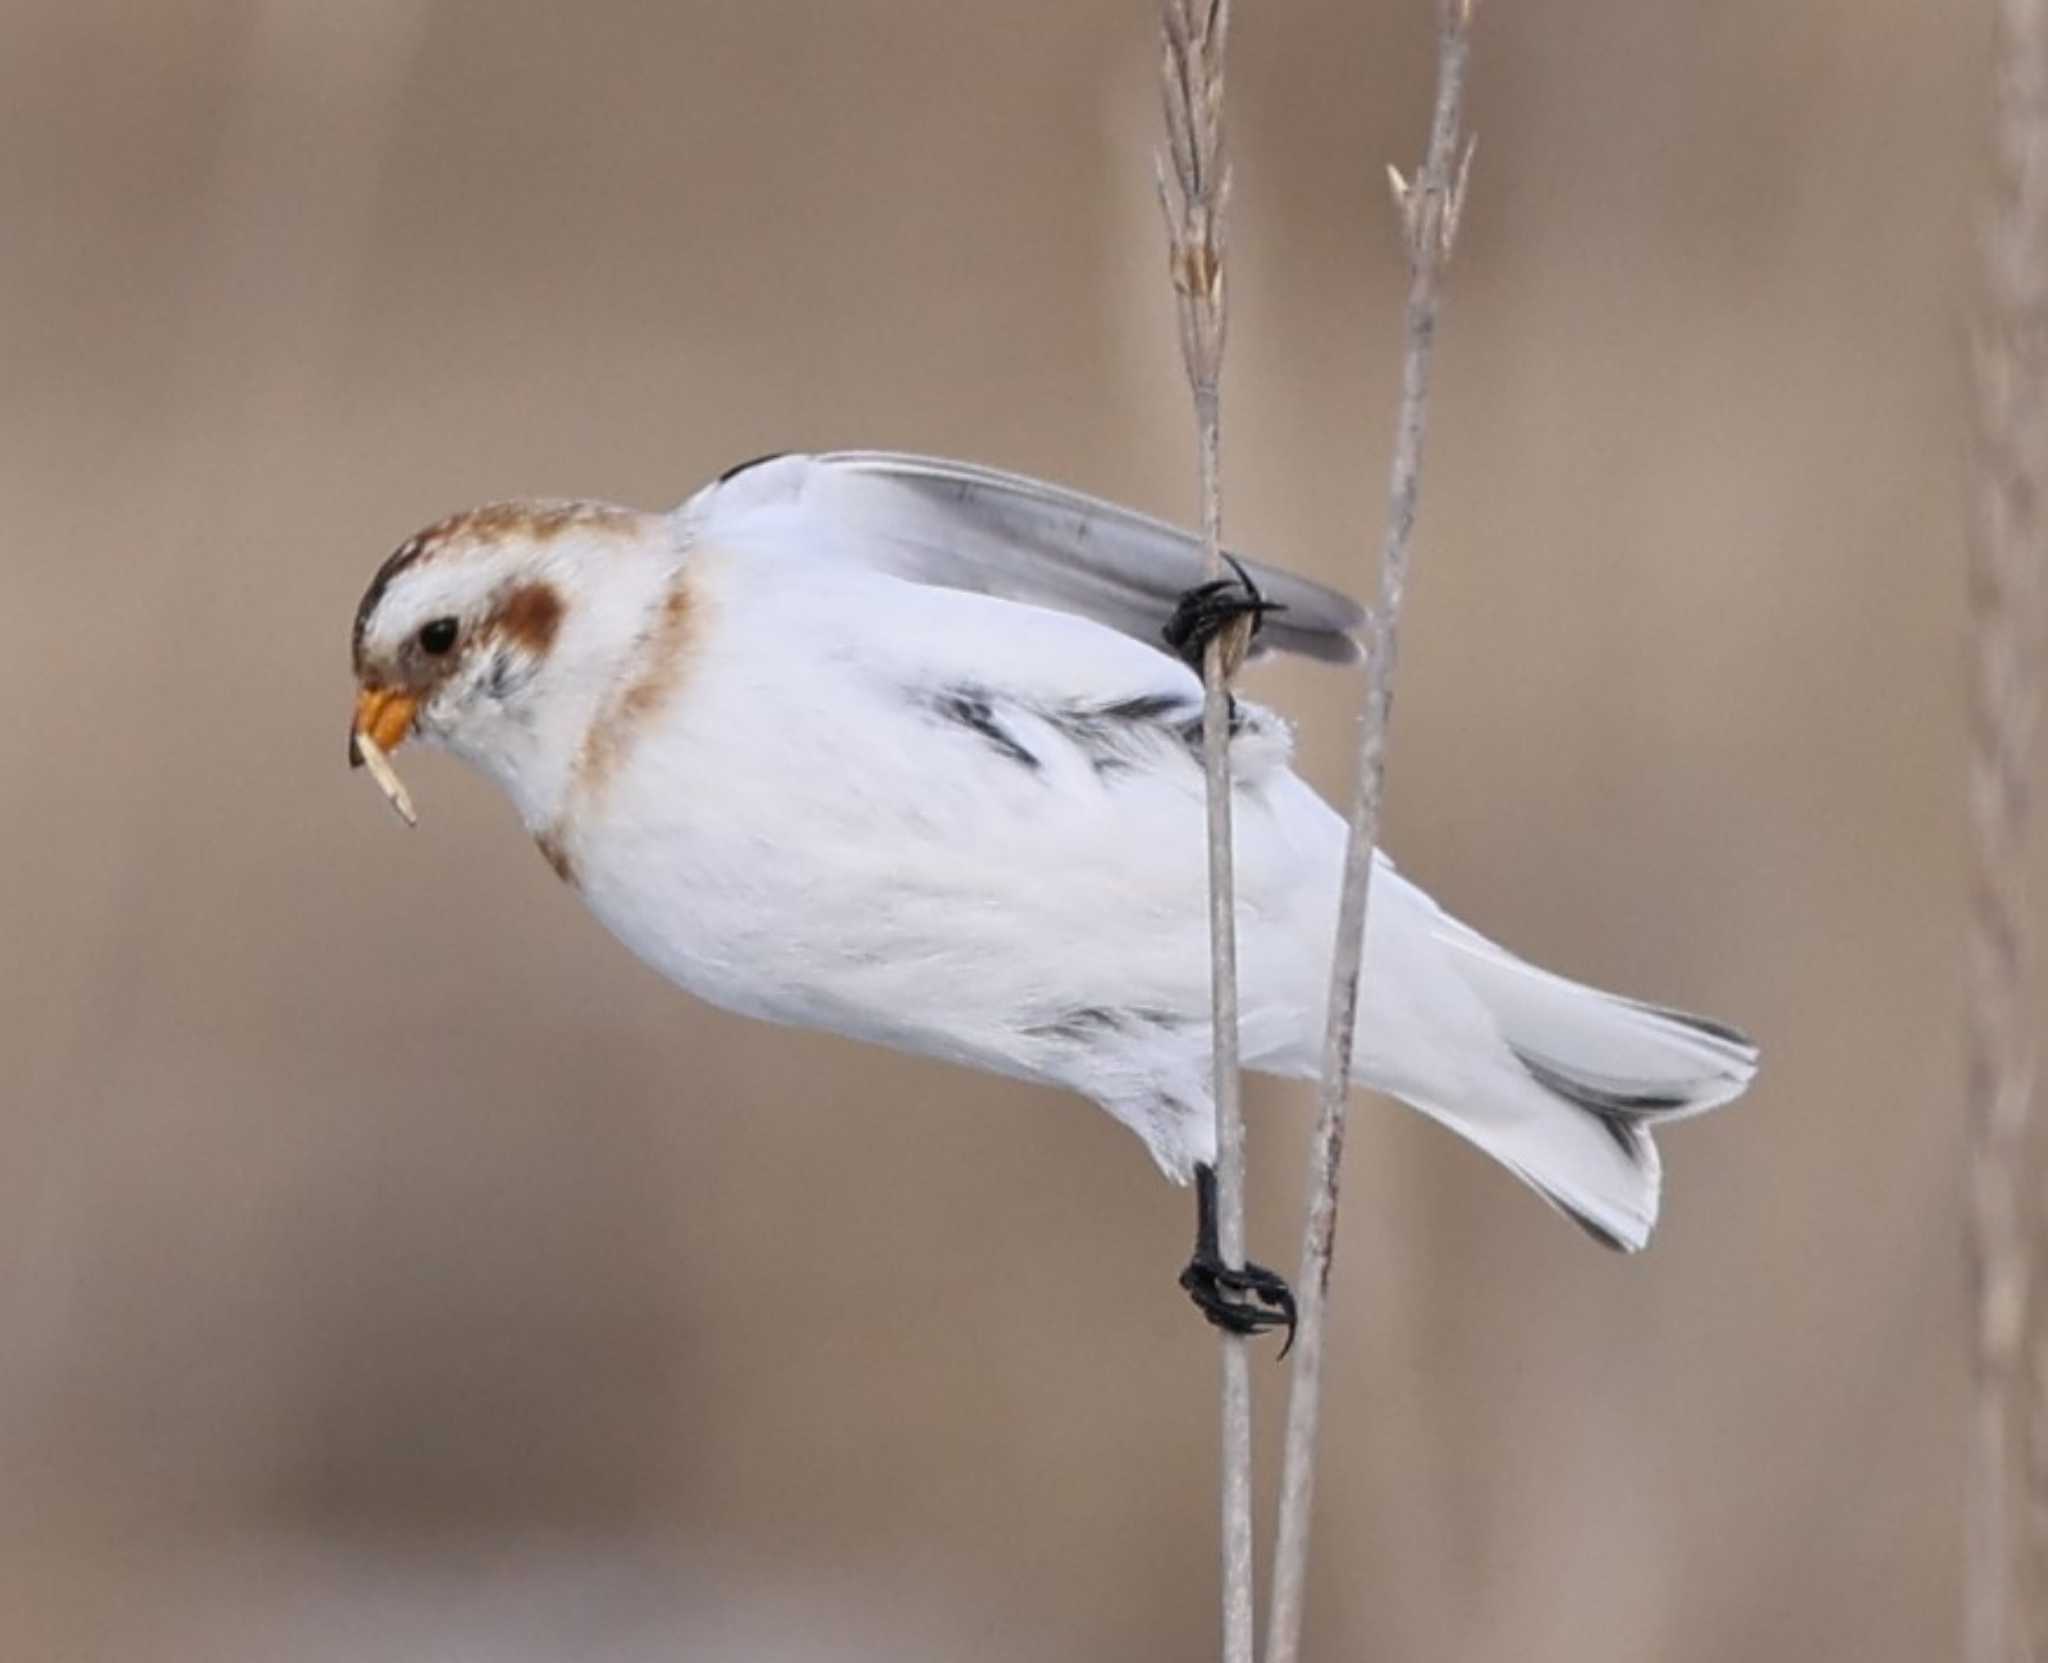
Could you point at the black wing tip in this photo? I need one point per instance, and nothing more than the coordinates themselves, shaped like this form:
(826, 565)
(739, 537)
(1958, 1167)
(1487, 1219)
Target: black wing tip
(1597, 1098)
(739, 468)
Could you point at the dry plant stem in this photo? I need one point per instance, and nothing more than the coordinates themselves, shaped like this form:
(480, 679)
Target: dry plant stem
(1429, 210)
(2010, 518)
(1236, 1499)
(1194, 187)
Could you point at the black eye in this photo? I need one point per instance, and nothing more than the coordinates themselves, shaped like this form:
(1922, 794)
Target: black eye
(437, 637)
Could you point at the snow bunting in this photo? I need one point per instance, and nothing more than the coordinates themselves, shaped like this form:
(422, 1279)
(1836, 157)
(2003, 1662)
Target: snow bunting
(890, 746)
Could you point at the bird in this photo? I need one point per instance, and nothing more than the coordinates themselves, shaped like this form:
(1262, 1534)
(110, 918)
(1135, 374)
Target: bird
(910, 750)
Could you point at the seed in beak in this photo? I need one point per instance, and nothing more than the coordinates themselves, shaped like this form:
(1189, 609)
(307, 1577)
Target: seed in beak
(373, 758)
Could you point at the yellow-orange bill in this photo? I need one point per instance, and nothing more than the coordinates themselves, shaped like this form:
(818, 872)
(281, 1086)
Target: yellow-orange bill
(385, 714)
(386, 777)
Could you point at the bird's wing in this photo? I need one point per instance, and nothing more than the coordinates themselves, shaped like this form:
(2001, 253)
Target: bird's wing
(958, 526)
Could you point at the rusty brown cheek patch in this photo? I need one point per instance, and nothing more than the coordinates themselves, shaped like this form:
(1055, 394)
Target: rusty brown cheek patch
(648, 686)
(530, 616)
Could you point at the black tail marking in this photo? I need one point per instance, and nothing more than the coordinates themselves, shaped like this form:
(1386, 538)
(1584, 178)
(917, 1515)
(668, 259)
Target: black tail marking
(1705, 1025)
(1600, 1099)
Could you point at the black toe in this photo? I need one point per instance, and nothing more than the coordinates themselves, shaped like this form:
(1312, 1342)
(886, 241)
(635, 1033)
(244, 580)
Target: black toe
(1223, 1295)
(1206, 610)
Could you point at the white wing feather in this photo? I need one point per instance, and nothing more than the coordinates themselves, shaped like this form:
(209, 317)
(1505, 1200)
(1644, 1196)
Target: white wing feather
(957, 526)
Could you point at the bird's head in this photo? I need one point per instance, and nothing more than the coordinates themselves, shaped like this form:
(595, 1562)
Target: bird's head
(494, 633)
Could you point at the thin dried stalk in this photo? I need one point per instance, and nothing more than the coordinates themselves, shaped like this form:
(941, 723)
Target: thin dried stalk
(1429, 210)
(2011, 493)
(1194, 189)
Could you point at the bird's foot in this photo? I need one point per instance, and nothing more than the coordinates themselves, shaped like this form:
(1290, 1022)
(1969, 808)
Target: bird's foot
(1220, 1293)
(1207, 610)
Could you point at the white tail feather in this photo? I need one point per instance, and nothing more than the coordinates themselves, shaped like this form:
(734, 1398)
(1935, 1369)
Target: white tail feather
(1605, 1176)
(1583, 1076)
(1599, 1048)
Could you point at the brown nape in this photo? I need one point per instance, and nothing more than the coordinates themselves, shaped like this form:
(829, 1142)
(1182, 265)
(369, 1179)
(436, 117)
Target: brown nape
(530, 615)
(536, 521)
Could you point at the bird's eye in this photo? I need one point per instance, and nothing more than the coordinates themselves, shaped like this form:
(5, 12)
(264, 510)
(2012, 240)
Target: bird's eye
(438, 636)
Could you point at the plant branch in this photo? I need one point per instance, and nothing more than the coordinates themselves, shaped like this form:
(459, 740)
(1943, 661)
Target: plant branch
(1194, 190)
(2010, 518)
(1429, 210)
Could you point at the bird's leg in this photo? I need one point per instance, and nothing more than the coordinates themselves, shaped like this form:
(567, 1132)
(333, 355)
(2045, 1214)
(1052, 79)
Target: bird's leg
(1216, 1287)
(1205, 611)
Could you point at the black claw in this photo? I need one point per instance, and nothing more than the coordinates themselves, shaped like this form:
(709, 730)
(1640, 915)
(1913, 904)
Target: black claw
(1206, 610)
(1219, 1290)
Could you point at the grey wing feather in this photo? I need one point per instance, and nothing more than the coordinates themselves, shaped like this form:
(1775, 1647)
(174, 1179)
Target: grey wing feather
(964, 527)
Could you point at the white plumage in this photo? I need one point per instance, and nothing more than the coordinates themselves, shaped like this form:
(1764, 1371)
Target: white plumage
(885, 746)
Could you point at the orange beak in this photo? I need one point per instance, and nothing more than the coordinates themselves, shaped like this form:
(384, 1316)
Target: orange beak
(385, 714)
(383, 721)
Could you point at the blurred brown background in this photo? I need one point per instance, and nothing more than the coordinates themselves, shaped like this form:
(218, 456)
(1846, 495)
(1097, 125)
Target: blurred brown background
(391, 1267)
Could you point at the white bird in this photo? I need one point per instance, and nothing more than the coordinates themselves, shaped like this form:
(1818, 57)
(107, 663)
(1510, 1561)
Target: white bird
(890, 747)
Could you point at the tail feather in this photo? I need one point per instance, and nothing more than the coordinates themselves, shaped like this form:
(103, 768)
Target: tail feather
(1601, 1172)
(1618, 1066)
(1600, 1050)
(1623, 1229)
